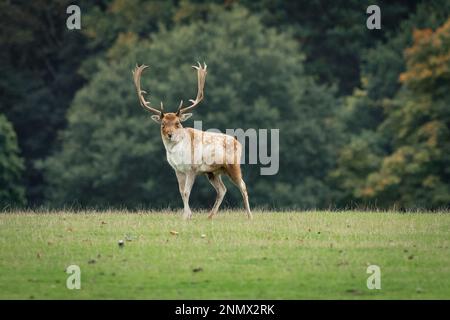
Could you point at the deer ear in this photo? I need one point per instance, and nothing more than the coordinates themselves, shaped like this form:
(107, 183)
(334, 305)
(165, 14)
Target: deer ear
(156, 118)
(185, 116)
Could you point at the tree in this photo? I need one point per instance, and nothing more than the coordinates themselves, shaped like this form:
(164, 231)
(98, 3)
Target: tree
(416, 172)
(12, 192)
(38, 63)
(107, 23)
(400, 147)
(329, 32)
(363, 112)
(112, 153)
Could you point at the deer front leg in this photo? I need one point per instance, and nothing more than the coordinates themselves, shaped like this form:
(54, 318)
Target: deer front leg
(181, 177)
(185, 183)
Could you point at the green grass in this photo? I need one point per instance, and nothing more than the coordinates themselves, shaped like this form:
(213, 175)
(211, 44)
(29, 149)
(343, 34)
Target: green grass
(277, 255)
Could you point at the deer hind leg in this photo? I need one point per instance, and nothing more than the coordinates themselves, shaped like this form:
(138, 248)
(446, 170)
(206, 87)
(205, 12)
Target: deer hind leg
(185, 183)
(216, 181)
(234, 172)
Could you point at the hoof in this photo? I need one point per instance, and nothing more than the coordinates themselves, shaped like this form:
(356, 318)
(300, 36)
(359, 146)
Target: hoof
(187, 216)
(211, 214)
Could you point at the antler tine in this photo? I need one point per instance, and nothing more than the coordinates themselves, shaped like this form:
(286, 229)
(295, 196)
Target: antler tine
(179, 107)
(137, 73)
(201, 77)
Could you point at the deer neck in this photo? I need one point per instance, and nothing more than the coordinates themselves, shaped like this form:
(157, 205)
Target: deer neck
(172, 145)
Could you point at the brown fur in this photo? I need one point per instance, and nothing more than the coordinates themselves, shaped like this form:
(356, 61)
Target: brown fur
(202, 145)
(170, 125)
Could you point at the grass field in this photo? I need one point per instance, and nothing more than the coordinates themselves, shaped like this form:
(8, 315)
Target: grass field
(277, 255)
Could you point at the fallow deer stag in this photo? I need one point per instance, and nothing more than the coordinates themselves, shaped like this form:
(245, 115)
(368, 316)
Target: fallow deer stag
(192, 152)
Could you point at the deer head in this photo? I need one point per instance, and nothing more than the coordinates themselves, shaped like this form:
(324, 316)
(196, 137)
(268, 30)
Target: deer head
(170, 122)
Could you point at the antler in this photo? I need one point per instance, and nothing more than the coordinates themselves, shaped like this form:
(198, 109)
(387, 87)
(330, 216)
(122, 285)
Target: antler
(137, 72)
(201, 76)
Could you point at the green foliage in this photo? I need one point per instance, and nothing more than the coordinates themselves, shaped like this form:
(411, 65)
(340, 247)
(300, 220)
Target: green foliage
(108, 23)
(401, 158)
(11, 167)
(383, 64)
(330, 32)
(38, 64)
(112, 153)
(416, 171)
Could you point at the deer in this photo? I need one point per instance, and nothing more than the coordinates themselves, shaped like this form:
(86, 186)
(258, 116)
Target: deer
(192, 152)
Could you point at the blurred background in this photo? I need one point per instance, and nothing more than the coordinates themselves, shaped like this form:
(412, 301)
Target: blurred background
(364, 115)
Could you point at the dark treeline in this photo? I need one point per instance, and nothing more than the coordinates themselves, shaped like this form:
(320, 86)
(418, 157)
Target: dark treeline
(364, 115)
